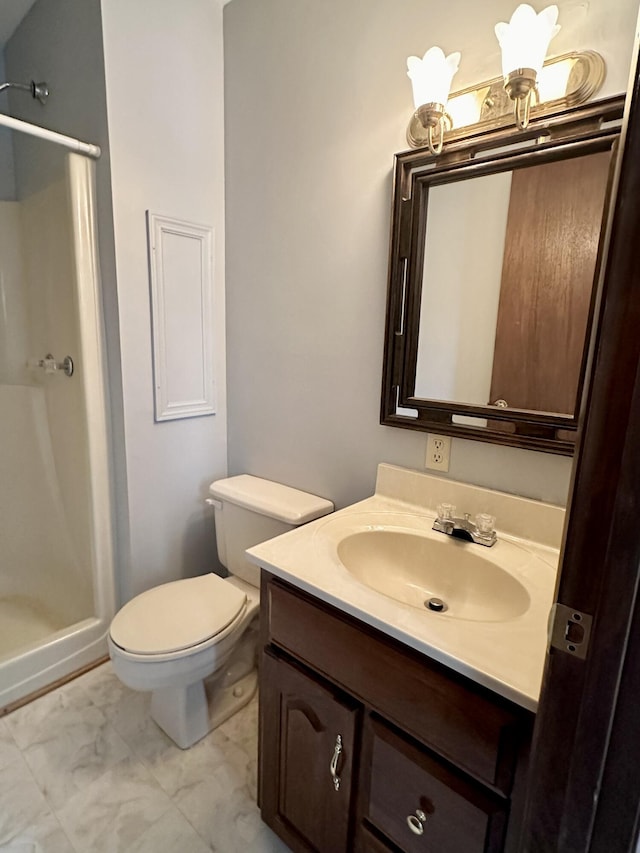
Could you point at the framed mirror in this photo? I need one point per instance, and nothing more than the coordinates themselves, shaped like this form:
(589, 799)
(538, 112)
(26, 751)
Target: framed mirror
(494, 259)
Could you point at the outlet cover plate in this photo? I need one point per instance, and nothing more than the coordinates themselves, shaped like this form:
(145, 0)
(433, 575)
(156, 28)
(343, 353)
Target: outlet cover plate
(438, 452)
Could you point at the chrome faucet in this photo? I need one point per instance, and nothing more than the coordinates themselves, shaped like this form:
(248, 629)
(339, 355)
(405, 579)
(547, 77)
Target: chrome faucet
(481, 531)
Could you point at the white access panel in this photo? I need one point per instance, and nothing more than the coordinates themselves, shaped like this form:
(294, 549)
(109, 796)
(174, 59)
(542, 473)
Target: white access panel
(181, 274)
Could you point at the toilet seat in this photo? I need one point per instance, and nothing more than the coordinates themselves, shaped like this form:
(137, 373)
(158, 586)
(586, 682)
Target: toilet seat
(174, 618)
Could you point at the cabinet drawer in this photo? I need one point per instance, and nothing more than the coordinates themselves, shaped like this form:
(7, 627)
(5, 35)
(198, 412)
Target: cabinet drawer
(456, 719)
(406, 787)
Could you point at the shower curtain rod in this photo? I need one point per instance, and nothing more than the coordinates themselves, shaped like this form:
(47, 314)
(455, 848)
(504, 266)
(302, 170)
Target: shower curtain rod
(59, 138)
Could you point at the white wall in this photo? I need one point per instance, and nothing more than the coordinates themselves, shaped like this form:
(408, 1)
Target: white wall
(163, 64)
(317, 101)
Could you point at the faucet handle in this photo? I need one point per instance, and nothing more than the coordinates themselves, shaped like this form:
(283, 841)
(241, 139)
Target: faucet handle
(485, 523)
(446, 511)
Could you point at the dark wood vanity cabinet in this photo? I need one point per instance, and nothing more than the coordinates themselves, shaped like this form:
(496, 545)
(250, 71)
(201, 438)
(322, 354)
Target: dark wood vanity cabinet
(369, 746)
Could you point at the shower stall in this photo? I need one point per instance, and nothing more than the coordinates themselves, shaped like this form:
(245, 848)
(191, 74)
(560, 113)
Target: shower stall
(56, 536)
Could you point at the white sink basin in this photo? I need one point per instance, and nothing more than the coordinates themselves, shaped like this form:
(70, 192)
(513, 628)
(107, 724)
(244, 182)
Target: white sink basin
(379, 560)
(413, 568)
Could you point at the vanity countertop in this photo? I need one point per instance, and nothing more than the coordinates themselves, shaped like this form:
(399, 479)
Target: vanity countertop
(505, 656)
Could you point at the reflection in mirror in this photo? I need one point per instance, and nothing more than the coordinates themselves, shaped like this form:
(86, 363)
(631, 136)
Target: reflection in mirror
(461, 288)
(503, 315)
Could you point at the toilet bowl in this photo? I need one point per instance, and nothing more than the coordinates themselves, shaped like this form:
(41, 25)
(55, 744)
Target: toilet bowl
(193, 642)
(157, 644)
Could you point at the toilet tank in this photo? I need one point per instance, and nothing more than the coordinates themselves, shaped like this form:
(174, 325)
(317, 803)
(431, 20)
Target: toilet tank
(250, 510)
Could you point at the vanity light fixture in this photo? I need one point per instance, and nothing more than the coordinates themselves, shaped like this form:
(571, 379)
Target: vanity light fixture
(431, 79)
(530, 86)
(524, 42)
(565, 81)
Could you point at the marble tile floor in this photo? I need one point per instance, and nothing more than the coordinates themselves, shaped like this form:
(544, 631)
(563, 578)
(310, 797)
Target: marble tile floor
(85, 769)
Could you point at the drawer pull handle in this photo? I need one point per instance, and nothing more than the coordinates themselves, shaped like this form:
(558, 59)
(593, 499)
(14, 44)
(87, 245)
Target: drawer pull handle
(416, 822)
(333, 767)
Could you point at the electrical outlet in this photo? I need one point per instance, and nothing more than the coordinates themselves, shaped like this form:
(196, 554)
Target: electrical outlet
(438, 452)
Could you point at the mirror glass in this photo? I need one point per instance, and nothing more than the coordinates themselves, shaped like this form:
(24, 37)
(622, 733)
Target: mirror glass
(495, 253)
(505, 303)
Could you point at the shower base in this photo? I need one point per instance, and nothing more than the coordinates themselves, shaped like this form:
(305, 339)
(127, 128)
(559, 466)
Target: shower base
(24, 621)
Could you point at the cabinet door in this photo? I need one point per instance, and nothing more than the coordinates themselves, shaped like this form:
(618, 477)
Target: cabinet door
(307, 736)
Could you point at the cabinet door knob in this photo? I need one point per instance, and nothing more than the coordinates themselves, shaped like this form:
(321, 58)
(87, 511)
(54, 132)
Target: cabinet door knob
(416, 822)
(333, 767)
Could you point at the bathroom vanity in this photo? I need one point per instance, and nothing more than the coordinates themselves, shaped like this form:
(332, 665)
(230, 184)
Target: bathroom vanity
(368, 746)
(385, 727)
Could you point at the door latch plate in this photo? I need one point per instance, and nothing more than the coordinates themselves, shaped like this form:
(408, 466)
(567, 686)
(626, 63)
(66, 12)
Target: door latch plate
(571, 630)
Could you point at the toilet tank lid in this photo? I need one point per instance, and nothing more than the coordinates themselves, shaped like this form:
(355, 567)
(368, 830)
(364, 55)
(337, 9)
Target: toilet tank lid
(283, 503)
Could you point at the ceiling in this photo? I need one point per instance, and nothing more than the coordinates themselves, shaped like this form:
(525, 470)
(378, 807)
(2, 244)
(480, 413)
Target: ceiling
(11, 13)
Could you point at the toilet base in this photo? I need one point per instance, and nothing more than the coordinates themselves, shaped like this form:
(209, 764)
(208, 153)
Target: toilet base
(187, 714)
(181, 712)
(227, 700)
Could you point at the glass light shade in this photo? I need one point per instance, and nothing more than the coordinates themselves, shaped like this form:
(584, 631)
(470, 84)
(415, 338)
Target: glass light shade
(525, 39)
(431, 76)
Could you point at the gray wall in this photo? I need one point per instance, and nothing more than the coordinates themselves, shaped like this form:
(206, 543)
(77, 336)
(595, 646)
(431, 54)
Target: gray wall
(7, 180)
(60, 41)
(316, 103)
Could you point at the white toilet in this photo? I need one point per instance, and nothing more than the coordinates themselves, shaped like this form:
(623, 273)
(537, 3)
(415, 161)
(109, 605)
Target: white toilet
(193, 642)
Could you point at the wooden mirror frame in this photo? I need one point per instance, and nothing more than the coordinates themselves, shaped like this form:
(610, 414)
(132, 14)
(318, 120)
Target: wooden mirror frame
(573, 132)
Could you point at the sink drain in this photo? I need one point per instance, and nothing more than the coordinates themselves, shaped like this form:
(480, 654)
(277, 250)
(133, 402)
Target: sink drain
(436, 604)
